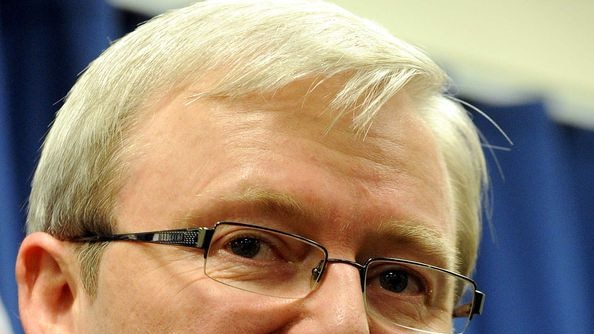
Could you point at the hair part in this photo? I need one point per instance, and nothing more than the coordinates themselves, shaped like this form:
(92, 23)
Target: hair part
(259, 46)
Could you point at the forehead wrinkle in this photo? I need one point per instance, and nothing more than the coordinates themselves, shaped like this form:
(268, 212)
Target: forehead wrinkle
(427, 241)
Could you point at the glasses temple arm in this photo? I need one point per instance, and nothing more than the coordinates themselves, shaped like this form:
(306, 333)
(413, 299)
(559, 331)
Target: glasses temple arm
(469, 310)
(479, 303)
(195, 237)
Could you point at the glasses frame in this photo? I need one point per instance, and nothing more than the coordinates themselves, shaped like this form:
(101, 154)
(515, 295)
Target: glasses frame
(200, 238)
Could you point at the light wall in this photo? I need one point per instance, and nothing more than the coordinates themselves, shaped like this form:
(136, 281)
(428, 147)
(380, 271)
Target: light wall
(503, 50)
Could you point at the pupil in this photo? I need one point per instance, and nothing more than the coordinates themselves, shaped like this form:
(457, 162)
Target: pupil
(395, 281)
(245, 247)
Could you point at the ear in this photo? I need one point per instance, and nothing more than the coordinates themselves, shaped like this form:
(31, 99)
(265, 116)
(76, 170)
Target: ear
(47, 278)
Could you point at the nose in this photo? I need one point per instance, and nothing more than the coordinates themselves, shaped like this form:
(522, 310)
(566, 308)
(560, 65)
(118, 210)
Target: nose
(336, 306)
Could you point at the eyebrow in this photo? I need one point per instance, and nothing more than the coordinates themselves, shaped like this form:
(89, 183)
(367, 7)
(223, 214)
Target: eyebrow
(424, 240)
(272, 203)
(252, 199)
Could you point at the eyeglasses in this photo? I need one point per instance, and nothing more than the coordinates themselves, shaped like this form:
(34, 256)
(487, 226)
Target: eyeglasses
(402, 293)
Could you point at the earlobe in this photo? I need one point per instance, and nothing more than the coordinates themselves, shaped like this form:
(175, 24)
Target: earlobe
(47, 276)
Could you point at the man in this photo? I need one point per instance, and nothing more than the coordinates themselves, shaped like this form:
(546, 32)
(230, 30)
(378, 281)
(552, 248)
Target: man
(255, 167)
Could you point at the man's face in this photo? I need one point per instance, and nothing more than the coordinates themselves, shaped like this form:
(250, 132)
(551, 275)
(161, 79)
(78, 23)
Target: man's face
(208, 161)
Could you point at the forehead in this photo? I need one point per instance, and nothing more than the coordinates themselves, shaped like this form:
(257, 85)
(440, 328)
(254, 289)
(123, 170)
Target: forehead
(202, 161)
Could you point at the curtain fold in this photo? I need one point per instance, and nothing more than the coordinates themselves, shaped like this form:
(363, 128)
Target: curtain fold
(536, 257)
(535, 264)
(44, 45)
(10, 220)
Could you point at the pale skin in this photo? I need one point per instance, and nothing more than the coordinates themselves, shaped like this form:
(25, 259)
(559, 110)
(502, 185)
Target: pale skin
(202, 162)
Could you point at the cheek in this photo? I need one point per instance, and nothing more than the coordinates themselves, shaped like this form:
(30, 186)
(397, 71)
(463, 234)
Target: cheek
(171, 294)
(148, 288)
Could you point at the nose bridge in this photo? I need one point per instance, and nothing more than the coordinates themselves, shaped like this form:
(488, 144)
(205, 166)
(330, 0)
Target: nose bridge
(360, 268)
(336, 306)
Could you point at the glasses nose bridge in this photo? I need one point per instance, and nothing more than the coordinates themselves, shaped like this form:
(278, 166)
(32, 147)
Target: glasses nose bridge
(360, 268)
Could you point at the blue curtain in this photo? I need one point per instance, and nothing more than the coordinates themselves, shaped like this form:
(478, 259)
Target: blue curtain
(536, 260)
(10, 222)
(44, 45)
(534, 265)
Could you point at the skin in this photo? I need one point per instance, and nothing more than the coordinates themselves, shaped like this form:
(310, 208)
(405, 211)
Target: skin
(199, 163)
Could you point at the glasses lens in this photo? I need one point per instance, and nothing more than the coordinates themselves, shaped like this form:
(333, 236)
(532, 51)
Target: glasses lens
(465, 301)
(416, 297)
(263, 261)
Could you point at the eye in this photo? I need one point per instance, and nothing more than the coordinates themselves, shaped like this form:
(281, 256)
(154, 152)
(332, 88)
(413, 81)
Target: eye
(394, 280)
(245, 247)
(401, 281)
(248, 245)
(259, 246)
